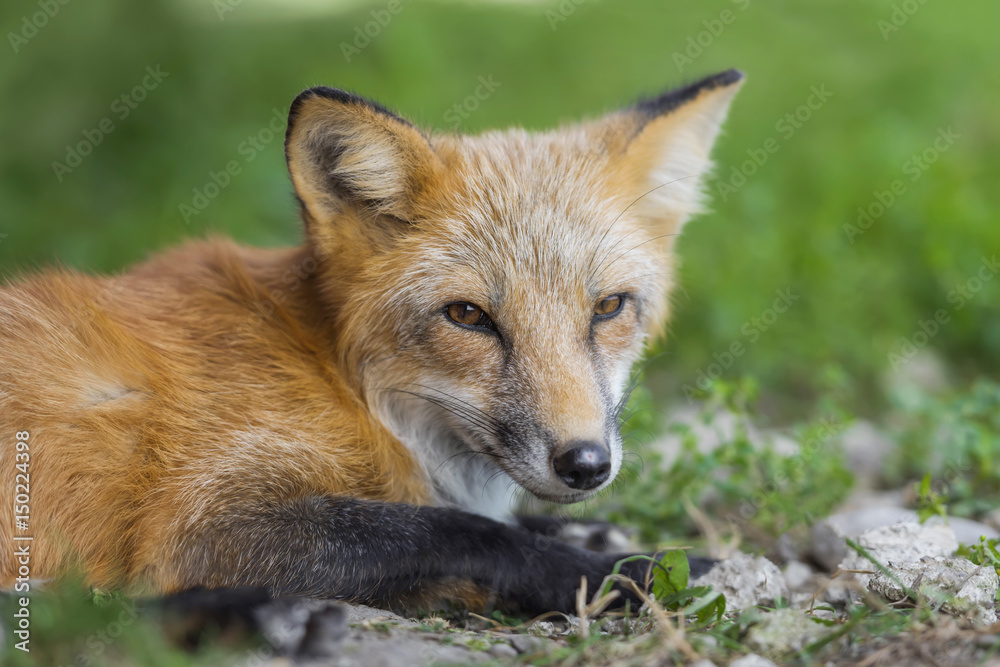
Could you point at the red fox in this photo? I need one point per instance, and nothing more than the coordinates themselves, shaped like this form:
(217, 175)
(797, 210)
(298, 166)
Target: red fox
(350, 418)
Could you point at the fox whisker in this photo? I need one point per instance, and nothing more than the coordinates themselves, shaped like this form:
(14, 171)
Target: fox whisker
(482, 421)
(624, 211)
(655, 238)
(633, 383)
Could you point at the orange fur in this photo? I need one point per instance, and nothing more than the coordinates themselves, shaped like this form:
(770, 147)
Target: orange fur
(134, 396)
(214, 374)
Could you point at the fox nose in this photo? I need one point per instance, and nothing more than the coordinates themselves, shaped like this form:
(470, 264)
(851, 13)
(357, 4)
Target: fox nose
(585, 465)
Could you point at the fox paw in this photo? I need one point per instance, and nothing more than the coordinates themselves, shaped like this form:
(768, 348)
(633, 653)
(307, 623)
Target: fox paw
(597, 536)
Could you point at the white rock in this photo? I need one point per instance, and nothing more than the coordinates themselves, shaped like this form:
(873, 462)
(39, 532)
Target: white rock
(801, 600)
(784, 630)
(837, 591)
(926, 372)
(543, 629)
(797, 575)
(866, 448)
(722, 427)
(526, 643)
(707, 436)
(900, 543)
(752, 660)
(746, 581)
(359, 613)
(967, 531)
(864, 499)
(826, 539)
(503, 651)
(961, 587)
(791, 546)
(993, 518)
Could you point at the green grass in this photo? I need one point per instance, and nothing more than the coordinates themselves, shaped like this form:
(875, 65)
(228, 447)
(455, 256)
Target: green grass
(783, 229)
(863, 301)
(747, 487)
(954, 440)
(75, 626)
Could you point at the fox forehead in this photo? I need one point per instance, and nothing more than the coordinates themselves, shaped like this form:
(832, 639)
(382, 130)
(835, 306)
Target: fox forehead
(407, 219)
(521, 210)
(552, 187)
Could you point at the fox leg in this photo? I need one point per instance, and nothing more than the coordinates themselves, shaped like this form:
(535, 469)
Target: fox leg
(589, 534)
(596, 535)
(388, 554)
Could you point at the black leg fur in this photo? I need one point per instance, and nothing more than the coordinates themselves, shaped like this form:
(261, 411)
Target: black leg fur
(595, 535)
(384, 553)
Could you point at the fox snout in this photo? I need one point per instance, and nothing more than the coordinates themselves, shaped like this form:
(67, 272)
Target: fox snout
(559, 398)
(583, 465)
(564, 470)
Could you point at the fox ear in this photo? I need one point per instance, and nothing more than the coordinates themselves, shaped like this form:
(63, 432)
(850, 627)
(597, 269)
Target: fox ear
(345, 151)
(664, 145)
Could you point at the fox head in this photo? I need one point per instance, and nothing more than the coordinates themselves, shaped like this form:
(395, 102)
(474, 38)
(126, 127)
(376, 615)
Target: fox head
(491, 293)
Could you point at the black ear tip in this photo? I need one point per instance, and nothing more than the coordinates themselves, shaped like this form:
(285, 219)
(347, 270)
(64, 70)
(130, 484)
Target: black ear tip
(720, 80)
(339, 96)
(729, 77)
(677, 97)
(335, 94)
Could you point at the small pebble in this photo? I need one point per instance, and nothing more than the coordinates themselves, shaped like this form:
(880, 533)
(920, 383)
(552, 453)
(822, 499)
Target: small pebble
(798, 575)
(542, 628)
(503, 651)
(526, 643)
(752, 660)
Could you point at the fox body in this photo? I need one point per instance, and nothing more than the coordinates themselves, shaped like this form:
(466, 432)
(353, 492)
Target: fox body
(350, 418)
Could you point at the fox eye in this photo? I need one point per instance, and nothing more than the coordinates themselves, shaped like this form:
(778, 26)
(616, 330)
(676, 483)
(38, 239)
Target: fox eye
(469, 315)
(610, 306)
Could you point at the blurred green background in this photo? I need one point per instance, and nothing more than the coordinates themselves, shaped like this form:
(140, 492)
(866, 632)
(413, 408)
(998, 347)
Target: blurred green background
(900, 73)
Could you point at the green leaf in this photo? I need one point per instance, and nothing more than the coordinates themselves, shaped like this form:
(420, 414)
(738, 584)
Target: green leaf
(708, 608)
(618, 567)
(682, 598)
(672, 575)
